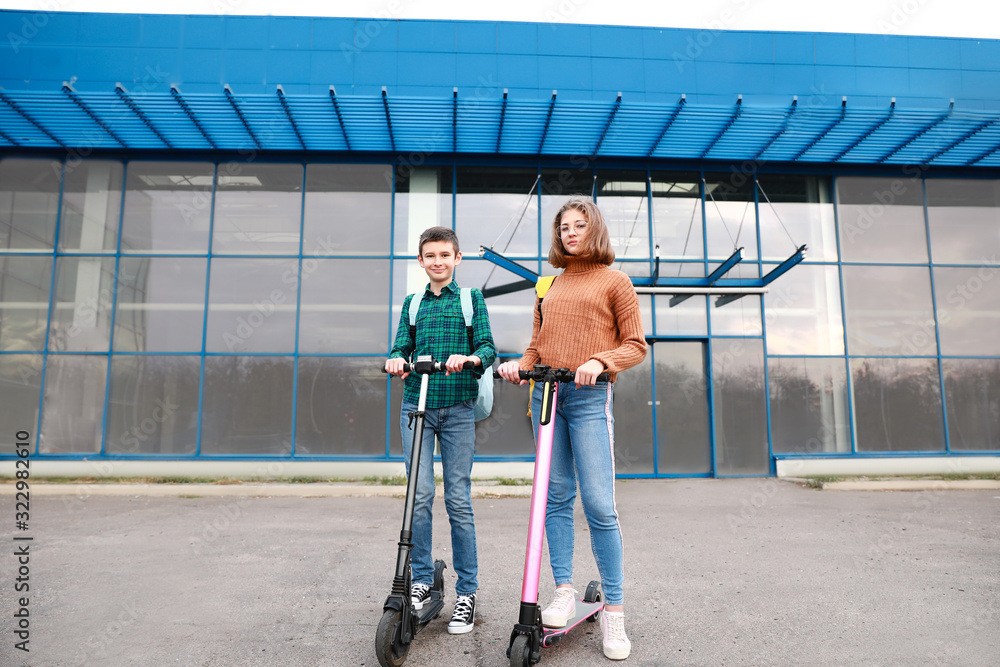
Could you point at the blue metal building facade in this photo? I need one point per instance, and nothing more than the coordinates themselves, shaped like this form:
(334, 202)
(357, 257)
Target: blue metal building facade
(179, 282)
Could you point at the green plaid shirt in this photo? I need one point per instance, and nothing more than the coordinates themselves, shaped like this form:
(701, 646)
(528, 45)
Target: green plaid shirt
(441, 333)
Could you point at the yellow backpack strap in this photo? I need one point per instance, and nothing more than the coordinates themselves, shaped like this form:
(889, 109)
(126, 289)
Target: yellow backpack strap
(542, 285)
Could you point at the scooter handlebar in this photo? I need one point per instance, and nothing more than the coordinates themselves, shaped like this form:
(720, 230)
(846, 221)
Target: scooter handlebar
(542, 373)
(429, 366)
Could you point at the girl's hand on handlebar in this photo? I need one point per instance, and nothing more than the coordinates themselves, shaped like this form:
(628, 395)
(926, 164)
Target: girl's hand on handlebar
(508, 371)
(395, 367)
(587, 374)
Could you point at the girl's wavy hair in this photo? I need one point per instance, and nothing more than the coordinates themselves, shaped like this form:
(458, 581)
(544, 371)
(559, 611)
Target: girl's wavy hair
(596, 245)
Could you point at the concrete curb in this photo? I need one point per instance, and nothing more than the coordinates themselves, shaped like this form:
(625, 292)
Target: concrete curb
(913, 485)
(274, 490)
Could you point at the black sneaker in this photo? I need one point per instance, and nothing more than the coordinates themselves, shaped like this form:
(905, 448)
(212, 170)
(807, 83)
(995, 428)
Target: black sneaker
(464, 616)
(419, 594)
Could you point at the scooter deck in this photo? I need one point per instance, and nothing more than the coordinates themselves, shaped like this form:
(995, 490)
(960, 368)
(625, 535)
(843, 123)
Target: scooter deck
(584, 610)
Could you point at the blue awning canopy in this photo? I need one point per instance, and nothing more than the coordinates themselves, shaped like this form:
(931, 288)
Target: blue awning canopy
(615, 128)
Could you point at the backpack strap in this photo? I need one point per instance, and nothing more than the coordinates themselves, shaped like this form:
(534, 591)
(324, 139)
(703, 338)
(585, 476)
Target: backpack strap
(465, 295)
(414, 309)
(542, 286)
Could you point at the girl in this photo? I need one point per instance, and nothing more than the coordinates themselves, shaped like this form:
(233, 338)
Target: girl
(590, 321)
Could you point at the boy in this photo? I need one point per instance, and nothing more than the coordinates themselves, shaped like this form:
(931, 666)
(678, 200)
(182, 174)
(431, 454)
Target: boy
(441, 332)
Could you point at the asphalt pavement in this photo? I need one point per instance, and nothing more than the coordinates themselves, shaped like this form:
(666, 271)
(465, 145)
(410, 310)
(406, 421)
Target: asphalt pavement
(754, 571)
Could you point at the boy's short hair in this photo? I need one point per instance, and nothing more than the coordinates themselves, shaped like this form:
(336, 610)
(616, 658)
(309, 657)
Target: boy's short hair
(596, 245)
(438, 234)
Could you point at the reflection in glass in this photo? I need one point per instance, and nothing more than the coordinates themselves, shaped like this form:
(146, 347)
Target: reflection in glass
(881, 220)
(20, 383)
(81, 321)
(348, 209)
(247, 405)
(736, 317)
(493, 209)
(972, 393)
(251, 305)
(423, 199)
(24, 302)
(730, 219)
(511, 315)
(803, 311)
(168, 207)
(682, 421)
(507, 431)
(897, 405)
(258, 209)
(796, 210)
(73, 408)
(677, 219)
(91, 206)
(29, 203)
(341, 407)
(740, 407)
(633, 401)
(888, 310)
(343, 305)
(809, 407)
(161, 304)
(557, 186)
(686, 318)
(968, 307)
(623, 199)
(153, 405)
(964, 215)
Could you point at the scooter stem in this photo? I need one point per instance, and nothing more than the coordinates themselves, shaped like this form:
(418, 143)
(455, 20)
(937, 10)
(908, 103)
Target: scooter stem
(406, 534)
(539, 494)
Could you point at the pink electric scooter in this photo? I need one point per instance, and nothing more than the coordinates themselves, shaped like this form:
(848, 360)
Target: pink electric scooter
(529, 636)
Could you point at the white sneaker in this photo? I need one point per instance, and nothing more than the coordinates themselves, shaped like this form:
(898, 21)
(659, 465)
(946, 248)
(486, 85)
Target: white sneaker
(561, 609)
(464, 617)
(616, 644)
(419, 594)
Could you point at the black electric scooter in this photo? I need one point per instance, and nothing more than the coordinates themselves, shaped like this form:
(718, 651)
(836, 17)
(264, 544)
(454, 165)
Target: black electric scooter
(400, 621)
(529, 635)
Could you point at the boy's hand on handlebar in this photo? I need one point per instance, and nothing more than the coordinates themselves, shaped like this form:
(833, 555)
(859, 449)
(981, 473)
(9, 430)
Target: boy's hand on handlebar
(587, 374)
(456, 363)
(508, 371)
(395, 366)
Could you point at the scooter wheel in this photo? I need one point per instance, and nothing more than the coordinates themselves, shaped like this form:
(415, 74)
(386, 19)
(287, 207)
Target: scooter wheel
(520, 652)
(389, 650)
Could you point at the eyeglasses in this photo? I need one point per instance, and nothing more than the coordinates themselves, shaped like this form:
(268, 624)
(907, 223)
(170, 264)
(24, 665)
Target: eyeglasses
(580, 227)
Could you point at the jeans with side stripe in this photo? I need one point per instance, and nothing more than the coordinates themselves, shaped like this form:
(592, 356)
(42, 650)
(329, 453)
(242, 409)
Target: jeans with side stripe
(583, 451)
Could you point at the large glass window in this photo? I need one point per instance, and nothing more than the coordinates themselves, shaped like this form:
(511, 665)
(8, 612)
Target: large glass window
(968, 308)
(251, 305)
(623, 199)
(889, 310)
(881, 220)
(795, 211)
(20, 383)
(964, 215)
(511, 315)
(344, 305)
(809, 407)
(168, 207)
(247, 405)
(153, 405)
(348, 209)
(683, 315)
(29, 204)
(972, 393)
(733, 316)
(24, 302)
(73, 408)
(677, 220)
(682, 421)
(258, 209)
(341, 407)
(740, 407)
(730, 217)
(634, 442)
(161, 304)
(897, 405)
(802, 311)
(81, 321)
(423, 199)
(506, 432)
(557, 186)
(493, 209)
(91, 206)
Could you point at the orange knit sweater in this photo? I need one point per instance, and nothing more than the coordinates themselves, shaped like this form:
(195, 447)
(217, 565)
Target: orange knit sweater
(589, 312)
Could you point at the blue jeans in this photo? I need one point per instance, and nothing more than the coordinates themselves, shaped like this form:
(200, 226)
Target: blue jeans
(456, 433)
(583, 446)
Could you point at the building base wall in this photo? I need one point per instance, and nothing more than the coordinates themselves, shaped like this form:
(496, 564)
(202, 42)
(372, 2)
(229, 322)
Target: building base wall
(931, 465)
